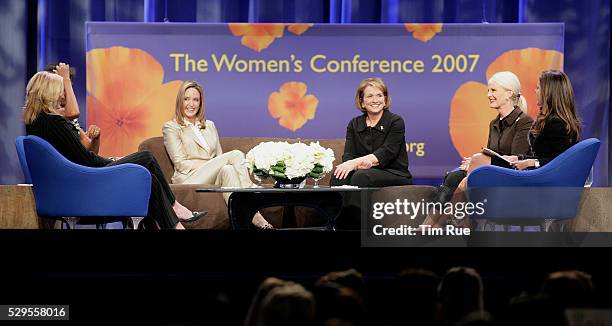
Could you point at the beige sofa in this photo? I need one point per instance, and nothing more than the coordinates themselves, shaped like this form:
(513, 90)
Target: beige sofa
(217, 210)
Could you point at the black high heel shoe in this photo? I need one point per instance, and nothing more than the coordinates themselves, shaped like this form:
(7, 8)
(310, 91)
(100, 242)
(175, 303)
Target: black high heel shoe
(195, 216)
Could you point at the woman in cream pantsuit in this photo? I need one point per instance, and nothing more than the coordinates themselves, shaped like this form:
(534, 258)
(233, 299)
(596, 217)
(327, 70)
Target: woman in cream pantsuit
(192, 142)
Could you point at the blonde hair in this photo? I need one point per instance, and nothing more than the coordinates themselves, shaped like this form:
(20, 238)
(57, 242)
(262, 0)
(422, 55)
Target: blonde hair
(43, 94)
(179, 113)
(557, 98)
(510, 82)
(374, 82)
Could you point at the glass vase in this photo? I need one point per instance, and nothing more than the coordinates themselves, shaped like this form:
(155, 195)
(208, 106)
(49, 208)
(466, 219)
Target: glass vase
(284, 183)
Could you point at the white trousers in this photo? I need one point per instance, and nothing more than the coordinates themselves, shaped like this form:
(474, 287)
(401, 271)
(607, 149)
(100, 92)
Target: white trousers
(226, 170)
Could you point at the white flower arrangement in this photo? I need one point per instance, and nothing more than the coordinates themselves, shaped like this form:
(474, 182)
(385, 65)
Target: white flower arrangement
(290, 161)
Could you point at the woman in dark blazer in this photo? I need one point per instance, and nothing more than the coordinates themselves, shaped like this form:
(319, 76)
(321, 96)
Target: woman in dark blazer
(508, 133)
(557, 126)
(375, 148)
(44, 94)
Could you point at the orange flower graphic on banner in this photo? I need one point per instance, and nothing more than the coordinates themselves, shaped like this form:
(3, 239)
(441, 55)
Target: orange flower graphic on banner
(470, 113)
(423, 32)
(257, 36)
(298, 29)
(292, 106)
(127, 98)
(469, 118)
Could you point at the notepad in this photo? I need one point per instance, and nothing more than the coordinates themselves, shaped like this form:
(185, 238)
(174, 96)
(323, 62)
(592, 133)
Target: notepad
(490, 152)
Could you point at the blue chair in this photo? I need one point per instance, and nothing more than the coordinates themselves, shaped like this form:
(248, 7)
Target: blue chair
(22, 159)
(530, 197)
(80, 194)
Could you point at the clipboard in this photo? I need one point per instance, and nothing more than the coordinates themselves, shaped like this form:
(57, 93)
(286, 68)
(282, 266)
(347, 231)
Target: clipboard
(492, 153)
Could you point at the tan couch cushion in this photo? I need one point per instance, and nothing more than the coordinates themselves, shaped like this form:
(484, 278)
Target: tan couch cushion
(156, 146)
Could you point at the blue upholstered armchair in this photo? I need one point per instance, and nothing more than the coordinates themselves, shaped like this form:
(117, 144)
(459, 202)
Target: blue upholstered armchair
(22, 159)
(80, 194)
(529, 197)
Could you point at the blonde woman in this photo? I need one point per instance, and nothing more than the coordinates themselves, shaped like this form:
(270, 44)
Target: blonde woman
(192, 142)
(44, 95)
(70, 108)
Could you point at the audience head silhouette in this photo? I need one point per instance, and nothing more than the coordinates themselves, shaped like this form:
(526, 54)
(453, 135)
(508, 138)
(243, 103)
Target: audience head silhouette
(288, 304)
(570, 288)
(461, 293)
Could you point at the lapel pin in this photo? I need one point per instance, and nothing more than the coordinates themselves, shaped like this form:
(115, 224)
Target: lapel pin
(381, 127)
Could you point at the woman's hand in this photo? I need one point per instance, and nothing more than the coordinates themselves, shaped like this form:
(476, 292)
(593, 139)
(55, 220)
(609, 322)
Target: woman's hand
(523, 164)
(363, 165)
(465, 163)
(511, 158)
(366, 162)
(84, 138)
(344, 169)
(63, 70)
(93, 132)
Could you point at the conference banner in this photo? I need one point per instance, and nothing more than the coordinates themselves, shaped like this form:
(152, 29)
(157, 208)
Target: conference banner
(299, 80)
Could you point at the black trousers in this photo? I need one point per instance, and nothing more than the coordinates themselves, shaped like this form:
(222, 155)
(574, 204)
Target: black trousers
(372, 178)
(162, 198)
(351, 207)
(445, 191)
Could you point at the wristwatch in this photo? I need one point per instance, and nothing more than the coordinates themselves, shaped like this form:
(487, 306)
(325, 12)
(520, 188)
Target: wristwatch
(537, 164)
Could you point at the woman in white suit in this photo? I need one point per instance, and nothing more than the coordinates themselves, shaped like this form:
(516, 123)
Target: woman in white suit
(192, 142)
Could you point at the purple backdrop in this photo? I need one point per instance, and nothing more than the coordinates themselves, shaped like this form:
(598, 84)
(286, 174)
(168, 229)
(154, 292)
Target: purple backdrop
(238, 101)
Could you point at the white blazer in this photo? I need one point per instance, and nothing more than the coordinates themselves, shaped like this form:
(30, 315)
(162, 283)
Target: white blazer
(186, 150)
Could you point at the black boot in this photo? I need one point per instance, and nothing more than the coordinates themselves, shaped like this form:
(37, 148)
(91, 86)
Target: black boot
(443, 194)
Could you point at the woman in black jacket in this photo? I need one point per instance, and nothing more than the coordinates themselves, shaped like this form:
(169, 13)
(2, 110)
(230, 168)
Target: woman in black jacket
(557, 126)
(375, 148)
